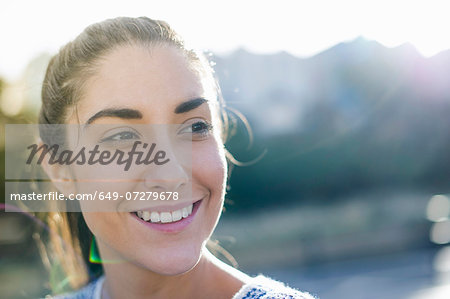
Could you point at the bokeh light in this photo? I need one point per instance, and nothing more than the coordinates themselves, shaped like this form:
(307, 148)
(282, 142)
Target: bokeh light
(440, 232)
(438, 208)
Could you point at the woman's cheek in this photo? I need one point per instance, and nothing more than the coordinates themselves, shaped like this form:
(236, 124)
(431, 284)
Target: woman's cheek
(108, 186)
(209, 167)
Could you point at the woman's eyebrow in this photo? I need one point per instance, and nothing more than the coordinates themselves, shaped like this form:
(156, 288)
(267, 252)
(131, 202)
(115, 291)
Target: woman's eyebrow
(189, 105)
(127, 113)
(112, 112)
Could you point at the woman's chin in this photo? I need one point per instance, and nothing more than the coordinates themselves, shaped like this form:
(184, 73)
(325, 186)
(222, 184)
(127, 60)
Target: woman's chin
(173, 264)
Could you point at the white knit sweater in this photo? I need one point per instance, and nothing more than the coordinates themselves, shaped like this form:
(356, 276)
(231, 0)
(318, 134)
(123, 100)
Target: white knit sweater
(260, 287)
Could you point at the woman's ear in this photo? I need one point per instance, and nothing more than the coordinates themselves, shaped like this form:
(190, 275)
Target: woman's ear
(60, 175)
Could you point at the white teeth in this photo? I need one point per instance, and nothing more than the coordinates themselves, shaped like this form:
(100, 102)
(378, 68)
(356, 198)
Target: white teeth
(146, 215)
(176, 215)
(154, 217)
(184, 212)
(165, 217)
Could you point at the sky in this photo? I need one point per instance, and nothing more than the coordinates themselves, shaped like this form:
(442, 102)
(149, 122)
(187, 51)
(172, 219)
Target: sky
(302, 28)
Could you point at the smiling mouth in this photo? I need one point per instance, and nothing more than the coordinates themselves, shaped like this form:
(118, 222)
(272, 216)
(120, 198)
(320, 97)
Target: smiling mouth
(167, 216)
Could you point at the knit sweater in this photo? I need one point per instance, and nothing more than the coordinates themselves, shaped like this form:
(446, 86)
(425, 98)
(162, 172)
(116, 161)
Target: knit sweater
(260, 287)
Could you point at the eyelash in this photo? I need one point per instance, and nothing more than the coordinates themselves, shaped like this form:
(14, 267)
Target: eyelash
(207, 128)
(205, 131)
(112, 138)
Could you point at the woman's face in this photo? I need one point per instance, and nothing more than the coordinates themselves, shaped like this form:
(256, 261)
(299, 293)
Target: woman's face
(134, 88)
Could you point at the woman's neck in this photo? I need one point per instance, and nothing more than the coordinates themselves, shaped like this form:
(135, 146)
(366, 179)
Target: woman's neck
(209, 278)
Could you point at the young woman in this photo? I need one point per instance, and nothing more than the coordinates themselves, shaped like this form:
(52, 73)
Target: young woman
(131, 72)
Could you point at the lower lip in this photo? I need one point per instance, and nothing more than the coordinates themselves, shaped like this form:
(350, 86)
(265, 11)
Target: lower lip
(172, 227)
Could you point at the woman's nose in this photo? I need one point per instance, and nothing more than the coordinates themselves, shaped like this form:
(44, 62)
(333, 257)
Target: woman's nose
(166, 178)
(173, 175)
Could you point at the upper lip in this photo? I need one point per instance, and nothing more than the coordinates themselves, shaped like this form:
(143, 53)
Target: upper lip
(161, 208)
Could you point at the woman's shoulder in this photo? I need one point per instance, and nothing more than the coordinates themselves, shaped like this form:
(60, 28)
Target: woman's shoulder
(91, 291)
(263, 287)
(259, 287)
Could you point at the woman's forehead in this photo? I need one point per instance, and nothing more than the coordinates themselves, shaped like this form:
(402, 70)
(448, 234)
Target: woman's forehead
(153, 79)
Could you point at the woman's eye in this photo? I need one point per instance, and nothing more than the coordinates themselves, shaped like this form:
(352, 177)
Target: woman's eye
(198, 129)
(122, 136)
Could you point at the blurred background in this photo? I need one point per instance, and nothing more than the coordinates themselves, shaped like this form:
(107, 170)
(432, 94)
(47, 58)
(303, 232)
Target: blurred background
(349, 107)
